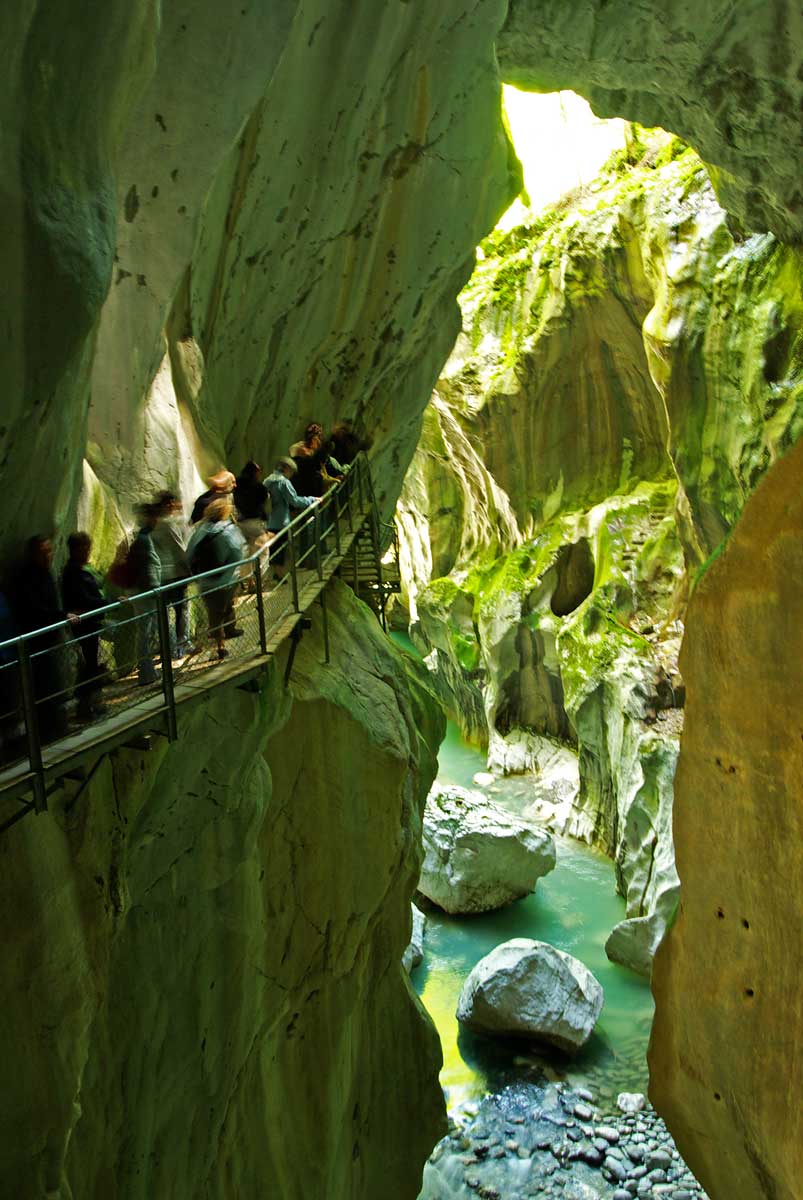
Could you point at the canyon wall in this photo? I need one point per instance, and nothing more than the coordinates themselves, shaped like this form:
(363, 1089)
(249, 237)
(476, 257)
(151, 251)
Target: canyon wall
(628, 368)
(724, 77)
(218, 224)
(198, 994)
(221, 225)
(724, 1065)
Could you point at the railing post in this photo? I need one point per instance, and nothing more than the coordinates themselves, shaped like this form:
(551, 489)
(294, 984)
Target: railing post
(336, 511)
(325, 623)
(32, 728)
(316, 518)
(291, 549)
(263, 637)
(359, 485)
(163, 625)
(349, 495)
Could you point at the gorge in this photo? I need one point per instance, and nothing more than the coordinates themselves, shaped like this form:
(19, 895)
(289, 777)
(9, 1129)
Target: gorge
(220, 223)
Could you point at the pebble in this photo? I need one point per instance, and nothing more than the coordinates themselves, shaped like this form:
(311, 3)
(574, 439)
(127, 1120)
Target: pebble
(584, 1094)
(608, 1132)
(583, 1112)
(615, 1168)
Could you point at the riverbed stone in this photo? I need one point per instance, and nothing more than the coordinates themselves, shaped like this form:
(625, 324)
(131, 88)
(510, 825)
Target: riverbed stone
(631, 1102)
(528, 988)
(414, 954)
(477, 856)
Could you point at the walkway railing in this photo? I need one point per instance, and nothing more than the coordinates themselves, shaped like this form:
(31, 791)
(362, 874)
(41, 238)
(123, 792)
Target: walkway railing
(67, 691)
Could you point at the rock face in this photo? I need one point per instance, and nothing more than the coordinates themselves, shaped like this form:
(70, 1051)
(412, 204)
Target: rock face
(525, 988)
(190, 944)
(729, 84)
(477, 857)
(212, 292)
(627, 340)
(717, 1063)
(414, 954)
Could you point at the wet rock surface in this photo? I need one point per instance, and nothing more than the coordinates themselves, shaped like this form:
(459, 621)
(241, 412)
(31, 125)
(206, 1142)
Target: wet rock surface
(549, 1139)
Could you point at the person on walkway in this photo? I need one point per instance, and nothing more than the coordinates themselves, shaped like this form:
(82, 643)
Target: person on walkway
(250, 500)
(146, 574)
(81, 592)
(170, 538)
(310, 443)
(221, 484)
(217, 543)
(37, 606)
(284, 500)
(346, 444)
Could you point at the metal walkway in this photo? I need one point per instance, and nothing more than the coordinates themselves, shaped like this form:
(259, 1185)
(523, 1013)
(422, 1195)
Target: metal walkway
(147, 674)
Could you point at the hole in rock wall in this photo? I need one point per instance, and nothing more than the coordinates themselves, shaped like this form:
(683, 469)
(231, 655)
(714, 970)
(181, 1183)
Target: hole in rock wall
(575, 570)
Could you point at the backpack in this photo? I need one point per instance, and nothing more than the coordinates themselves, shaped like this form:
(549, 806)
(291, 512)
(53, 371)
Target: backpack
(205, 556)
(123, 572)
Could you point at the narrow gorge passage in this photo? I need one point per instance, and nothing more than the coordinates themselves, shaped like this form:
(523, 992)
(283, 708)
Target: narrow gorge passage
(582, 398)
(552, 531)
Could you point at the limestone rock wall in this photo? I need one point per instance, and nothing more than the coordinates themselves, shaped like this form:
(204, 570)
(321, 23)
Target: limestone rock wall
(628, 369)
(725, 77)
(728, 1033)
(222, 224)
(202, 959)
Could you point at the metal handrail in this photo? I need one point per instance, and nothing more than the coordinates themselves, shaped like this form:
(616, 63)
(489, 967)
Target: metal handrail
(154, 605)
(305, 516)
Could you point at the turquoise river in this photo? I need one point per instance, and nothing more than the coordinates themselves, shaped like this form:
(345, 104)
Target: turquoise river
(574, 908)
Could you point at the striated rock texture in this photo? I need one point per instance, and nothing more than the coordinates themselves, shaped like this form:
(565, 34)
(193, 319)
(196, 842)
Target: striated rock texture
(728, 1033)
(618, 369)
(222, 224)
(212, 940)
(725, 77)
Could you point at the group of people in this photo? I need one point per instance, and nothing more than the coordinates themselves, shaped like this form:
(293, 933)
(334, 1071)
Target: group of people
(235, 516)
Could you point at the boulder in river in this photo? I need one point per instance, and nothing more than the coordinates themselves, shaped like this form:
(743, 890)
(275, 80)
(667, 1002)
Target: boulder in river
(414, 954)
(477, 856)
(525, 988)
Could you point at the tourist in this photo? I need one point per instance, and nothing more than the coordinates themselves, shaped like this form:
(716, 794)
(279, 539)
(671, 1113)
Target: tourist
(146, 574)
(37, 606)
(221, 484)
(346, 444)
(250, 500)
(81, 592)
(284, 500)
(217, 543)
(311, 442)
(316, 472)
(170, 538)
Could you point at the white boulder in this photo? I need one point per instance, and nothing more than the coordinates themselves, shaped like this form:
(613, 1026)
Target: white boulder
(414, 954)
(483, 779)
(477, 856)
(525, 988)
(631, 1102)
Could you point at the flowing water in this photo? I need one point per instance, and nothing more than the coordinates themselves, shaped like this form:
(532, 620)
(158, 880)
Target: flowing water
(574, 908)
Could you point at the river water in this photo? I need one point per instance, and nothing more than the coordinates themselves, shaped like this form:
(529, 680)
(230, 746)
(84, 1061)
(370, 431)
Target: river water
(574, 908)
